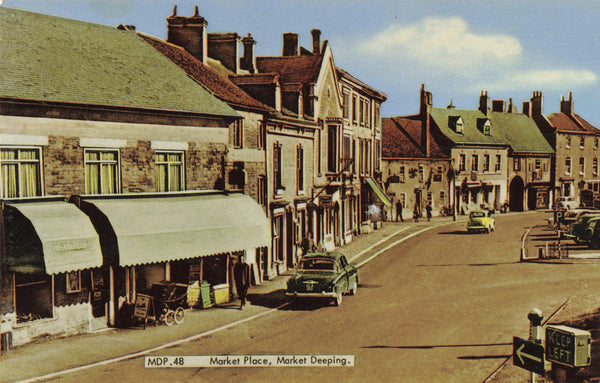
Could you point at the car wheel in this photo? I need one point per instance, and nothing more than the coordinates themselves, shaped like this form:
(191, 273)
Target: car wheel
(354, 288)
(338, 299)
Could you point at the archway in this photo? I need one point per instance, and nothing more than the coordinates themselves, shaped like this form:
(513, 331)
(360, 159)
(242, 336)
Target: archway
(517, 188)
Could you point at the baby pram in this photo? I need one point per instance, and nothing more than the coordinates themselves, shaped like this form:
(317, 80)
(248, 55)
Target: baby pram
(169, 300)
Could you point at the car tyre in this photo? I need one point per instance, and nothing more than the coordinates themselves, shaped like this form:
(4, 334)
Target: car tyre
(354, 288)
(338, 300)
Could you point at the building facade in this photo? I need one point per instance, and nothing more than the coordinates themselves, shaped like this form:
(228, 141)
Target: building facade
(82, 163)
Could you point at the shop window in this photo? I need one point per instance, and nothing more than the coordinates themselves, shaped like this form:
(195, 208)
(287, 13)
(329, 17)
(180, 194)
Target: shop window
(74, 281)
(20, 173)
(33, 297)
(169, 171)
(214, 269)
(101, 171)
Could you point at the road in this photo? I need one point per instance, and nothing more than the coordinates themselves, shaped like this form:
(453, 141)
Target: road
(440, 307)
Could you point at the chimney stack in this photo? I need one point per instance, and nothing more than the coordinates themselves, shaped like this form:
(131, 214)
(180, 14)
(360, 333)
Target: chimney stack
(248, 61)
(188, 33)
(512, 108)
(426, 105)
(566, 106)
(537, 104)
(316, 40)
(484, 101)
(225, 48)
(290, 44)
(498, 106)
(527, 108)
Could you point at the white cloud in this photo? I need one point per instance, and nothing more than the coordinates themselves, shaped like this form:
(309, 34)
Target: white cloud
(554, 79)
(442, 43)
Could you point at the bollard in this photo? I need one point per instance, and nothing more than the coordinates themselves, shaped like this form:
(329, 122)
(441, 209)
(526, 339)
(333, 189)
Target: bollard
(535, 331)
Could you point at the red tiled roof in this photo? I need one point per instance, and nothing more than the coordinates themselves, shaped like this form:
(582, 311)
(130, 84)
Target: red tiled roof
(572, 123)
(401, 137)
(292, 69)
(221, 87)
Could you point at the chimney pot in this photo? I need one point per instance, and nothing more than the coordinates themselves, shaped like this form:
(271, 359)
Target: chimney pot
(188, 33)
(484, 102)
(498, 106)
(248, 61)
(566, 106)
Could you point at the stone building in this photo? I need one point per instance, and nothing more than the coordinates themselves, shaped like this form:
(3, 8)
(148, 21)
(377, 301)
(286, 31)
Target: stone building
(575, 180)
(415, 168)
(110, 156)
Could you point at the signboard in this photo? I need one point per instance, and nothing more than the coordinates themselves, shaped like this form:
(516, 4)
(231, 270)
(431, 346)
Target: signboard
(144, 307)
(528, 355)
(569, 346)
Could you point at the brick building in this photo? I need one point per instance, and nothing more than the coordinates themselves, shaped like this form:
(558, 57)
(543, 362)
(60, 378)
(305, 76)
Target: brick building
(110, 157)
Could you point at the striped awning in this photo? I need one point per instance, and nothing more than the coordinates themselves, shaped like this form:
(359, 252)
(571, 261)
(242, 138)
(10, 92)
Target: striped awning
(143, 229)
(378, 192)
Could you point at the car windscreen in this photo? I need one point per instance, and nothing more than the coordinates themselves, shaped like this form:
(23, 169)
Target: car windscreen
(477, 214)
(317, 264)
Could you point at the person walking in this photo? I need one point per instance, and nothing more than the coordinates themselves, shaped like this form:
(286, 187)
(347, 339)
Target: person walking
(428, 210)
(416, 213)
(307, 244)
(399, 211)
(241, 275)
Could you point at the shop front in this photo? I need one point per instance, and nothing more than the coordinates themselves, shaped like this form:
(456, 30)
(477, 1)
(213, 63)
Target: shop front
(52, 269)
(373, 200)
(187, 237)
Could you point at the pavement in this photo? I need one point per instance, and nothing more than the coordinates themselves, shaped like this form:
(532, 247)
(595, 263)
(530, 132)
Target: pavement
(47, 358)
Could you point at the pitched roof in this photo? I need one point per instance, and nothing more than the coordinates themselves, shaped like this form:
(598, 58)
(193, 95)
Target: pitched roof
(50, 58)
(292, 69)
(218, 85)
(255, 79)
(401, 137)
(369, 90)
(520, 132)
(571, 123)
(471, 133)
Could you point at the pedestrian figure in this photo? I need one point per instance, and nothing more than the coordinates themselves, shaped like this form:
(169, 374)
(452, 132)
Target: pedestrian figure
(241, 275)
(307, 244)
(428, 210)
(416, 213)
(399, 211)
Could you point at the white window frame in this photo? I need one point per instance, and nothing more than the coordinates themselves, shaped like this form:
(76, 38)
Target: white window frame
(168, 173)
(19, 162)
(101, 162)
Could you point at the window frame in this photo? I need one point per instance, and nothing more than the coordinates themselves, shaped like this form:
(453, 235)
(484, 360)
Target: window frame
(116, 163)
(168, 173)
(19, 162)
(238, 134)
(300, 185)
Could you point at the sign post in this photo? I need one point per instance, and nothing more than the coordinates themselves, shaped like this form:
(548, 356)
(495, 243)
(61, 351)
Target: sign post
(529, 356)
(535, 335)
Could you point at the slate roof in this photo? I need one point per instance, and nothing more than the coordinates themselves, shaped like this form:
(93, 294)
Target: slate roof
(401, 137)
(371, 91)
(292, 69)
(219, 86)
(471, 134)
(571, 123)
(520, 132)
(50, 58)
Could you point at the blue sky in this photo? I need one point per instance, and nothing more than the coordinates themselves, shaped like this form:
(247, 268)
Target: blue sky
(456, 48)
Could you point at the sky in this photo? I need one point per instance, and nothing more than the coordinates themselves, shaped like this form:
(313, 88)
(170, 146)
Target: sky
(508, 48)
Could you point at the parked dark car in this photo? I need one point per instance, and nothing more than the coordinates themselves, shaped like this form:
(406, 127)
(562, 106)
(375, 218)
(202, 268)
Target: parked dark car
(580, 230)
(323, 275)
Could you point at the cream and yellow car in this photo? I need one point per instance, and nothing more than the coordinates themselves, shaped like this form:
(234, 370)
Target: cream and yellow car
(481, 220)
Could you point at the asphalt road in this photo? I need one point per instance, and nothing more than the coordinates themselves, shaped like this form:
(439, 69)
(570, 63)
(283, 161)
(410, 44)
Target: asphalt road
(440, 307)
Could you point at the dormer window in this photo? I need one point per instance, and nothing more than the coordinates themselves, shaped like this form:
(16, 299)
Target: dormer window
(456, 123)
(484, 125)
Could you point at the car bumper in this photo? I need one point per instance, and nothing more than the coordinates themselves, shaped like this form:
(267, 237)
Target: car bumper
(323, 294)
(476, 227)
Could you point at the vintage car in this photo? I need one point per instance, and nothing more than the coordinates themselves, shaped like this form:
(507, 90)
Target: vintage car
(323, 275)
(571, 216)
(580, 230)
(481, 220)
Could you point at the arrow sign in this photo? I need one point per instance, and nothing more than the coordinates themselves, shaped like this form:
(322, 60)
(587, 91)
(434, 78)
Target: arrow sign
(528, 355)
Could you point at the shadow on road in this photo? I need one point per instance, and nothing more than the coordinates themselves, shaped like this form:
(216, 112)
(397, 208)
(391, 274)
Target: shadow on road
(472, 264)
(427, 347)
(455, 232)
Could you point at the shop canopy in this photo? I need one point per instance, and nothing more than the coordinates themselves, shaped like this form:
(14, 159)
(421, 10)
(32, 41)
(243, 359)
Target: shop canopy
(51, 237)
(148, 229)
(377, 190)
